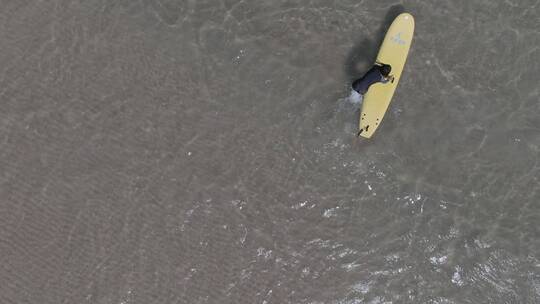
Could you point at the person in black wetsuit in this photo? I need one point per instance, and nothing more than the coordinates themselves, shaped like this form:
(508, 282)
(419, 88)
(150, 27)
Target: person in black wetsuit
(380, 72)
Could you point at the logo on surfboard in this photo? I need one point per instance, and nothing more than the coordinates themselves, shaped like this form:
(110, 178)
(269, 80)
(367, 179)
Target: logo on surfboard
(397, 39)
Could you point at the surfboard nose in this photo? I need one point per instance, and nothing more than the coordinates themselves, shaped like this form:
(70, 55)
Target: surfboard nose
(407, 16)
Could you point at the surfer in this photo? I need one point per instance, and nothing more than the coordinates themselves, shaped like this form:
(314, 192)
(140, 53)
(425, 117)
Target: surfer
(380, 72)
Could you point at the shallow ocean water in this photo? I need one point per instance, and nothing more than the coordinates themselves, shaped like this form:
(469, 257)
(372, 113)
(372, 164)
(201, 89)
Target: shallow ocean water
(162, 151)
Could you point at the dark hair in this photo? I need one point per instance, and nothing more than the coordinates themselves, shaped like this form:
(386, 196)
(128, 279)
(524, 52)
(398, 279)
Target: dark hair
(385, 70)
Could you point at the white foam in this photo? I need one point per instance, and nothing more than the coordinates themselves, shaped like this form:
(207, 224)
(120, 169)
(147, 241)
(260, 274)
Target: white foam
(355, 98)
(456, 277)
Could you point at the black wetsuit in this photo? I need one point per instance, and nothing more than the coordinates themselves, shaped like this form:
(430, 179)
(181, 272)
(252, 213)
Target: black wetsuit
(372, 76)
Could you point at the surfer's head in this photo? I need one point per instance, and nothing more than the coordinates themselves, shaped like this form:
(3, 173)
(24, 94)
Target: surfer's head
(385, 70)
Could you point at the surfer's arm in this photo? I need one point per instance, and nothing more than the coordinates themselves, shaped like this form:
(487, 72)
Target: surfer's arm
(387, 79)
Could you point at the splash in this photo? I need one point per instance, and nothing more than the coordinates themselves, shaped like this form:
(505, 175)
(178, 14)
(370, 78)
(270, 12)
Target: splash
(355, 98)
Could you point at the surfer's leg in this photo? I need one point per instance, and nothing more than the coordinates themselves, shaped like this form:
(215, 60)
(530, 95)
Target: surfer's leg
(355, 85)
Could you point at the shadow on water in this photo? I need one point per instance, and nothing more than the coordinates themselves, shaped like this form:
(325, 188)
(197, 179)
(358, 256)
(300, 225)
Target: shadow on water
(365, 51)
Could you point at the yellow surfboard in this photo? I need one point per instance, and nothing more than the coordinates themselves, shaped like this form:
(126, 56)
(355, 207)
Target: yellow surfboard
(394, 51)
